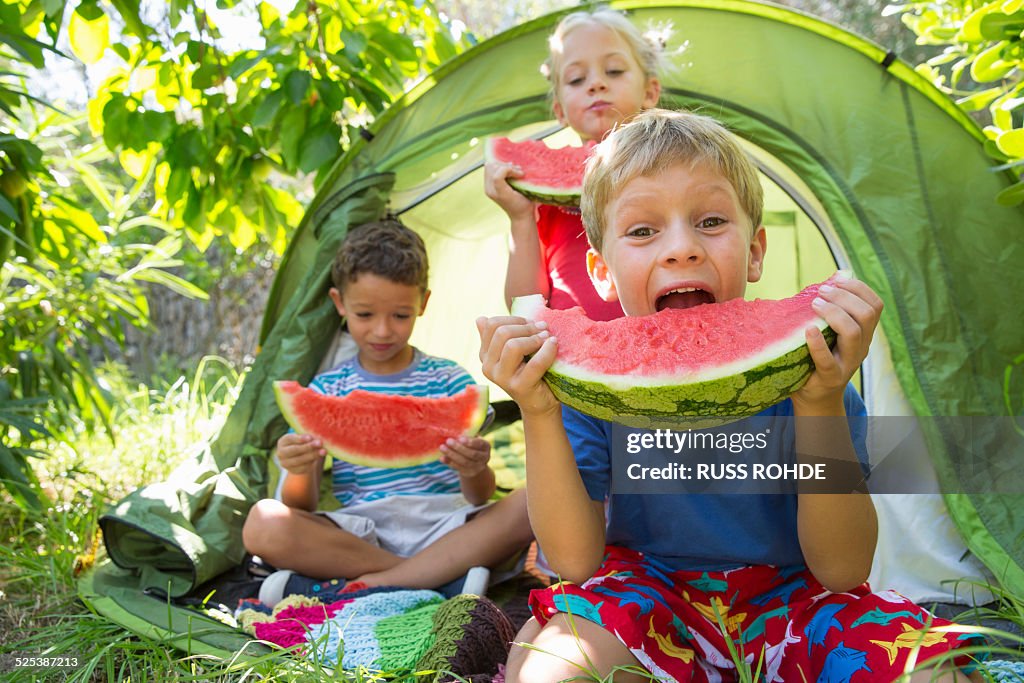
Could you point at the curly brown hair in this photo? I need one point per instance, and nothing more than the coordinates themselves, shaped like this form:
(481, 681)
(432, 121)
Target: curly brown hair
(386, 248)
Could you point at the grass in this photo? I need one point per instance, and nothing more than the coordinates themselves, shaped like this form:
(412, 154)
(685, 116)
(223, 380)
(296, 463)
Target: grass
(156, 430)
(40, 614)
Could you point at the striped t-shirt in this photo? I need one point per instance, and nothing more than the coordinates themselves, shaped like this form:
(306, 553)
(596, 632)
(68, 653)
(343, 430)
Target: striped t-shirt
(426, 376)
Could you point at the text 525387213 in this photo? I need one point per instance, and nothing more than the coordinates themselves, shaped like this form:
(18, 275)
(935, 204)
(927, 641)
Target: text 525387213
(22, 660)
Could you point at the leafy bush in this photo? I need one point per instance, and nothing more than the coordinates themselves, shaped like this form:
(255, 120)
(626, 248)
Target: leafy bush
(982, 67)
(69, 291)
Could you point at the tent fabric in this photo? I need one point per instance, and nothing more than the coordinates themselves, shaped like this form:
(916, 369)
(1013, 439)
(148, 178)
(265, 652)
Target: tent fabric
(856, 147)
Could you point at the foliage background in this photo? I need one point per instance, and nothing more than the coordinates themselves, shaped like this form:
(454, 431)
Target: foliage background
(184, 168)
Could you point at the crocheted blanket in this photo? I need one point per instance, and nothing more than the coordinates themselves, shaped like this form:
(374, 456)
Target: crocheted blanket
(389, 630)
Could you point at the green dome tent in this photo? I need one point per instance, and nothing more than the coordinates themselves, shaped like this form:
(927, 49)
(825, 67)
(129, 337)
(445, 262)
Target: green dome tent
(865, 164)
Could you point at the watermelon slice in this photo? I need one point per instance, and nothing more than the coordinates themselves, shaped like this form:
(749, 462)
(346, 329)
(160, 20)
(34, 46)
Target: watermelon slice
(693, 367)
(551, 176)
(382, 430)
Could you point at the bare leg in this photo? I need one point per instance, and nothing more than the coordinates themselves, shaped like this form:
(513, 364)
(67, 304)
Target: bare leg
(562, 654)
(310, 544)
(488, 539)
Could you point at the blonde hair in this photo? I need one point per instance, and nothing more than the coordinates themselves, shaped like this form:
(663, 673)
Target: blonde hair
(646, 48)
(656, 139)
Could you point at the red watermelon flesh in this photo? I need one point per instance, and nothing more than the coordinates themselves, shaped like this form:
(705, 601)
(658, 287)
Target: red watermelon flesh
(723, 360)
(551, 176)
(682, 342)
(382, 430)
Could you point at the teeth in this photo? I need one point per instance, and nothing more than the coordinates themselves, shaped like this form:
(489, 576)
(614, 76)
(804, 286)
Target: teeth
(682, 290)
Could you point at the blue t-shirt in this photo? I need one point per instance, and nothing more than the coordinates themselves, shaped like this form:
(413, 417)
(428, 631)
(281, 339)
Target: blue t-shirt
(702, 532)
(427, 376)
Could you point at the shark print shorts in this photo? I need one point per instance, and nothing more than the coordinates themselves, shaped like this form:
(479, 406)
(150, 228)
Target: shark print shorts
(690, 625)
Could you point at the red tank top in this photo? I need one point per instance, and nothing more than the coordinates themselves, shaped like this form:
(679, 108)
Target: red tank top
(564, 248)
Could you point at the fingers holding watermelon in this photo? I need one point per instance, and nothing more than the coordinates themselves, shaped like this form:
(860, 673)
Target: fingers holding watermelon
(300, 453)
(467, 456)
(515, 355)
(852, 309)
(496, 175)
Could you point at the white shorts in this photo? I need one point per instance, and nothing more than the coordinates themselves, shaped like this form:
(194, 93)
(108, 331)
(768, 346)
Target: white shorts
(404, 525)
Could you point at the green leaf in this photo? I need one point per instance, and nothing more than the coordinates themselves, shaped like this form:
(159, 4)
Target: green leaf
(115, 116)
(268, 14)
(267, 110)
(293, 127)
(1012, 195)
(243, 235)
(941, 34)
(1002, 118)
(398, 45)
(331, 94)
(25, 425)
(14, 473)
(1011, 143)
(129, 11)
(187, 149)
(89, 10)
(978, 100)
(82, 220)
(57, 237)
(194, 211)
(92, 182)
(89, 37)
(970, 31)
(158, 125)
(244, 62)
(177, 184)
(175, 10)
(999, 26)
(173, 283)
(355, 43)
(8, 209)
(150, 221)
(29, 49)
(122, 51)
(989, 65)
(206, 76)
(296, 84)
(320, 144)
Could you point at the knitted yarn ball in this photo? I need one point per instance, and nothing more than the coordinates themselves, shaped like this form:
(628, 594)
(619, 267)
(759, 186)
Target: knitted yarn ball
(350, 637)
(472, 639)
(1005, 671)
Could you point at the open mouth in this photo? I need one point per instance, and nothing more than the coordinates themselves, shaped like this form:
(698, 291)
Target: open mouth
(684, 297)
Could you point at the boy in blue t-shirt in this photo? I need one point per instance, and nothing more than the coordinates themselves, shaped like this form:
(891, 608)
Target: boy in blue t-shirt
(421, 526)
(678, 583)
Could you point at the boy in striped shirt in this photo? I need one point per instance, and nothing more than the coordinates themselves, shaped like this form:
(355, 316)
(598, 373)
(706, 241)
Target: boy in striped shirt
(421, 526)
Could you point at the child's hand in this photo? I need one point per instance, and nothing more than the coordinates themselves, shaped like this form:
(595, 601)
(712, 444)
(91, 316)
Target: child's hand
(466, 456)
(852, 309)
(497, 188)
(300, 453)
(505, 342)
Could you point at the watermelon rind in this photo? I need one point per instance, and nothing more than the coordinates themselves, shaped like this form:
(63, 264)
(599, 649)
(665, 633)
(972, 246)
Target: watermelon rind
(543, 194)
(286, 391)
(725, 394)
